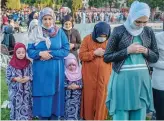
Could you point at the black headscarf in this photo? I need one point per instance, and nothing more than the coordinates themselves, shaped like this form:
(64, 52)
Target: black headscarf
(101, 28)
(31, 17)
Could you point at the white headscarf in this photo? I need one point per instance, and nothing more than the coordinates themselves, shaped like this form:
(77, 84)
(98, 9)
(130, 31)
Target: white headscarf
(33, 24)
(137, 10)
(36, 36)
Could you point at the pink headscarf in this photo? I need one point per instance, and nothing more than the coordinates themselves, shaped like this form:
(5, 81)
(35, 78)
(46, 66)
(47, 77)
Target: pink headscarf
(72, 76)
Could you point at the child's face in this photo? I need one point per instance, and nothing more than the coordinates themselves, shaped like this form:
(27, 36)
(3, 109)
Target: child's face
(68, 24)
(72, 67)
(20, 53)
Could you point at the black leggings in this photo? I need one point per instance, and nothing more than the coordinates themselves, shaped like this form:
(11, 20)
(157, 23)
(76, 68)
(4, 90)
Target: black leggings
(158, 96)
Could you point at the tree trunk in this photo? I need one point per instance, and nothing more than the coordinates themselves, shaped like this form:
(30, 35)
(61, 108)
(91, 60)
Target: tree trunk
(3, 3)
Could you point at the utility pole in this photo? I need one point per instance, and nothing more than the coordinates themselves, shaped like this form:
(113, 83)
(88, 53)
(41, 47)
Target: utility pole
(163, 22)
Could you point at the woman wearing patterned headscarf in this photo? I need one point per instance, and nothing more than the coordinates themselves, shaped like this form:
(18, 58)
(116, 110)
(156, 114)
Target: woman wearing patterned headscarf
(130, 48)
(95, 73)
(48, 47)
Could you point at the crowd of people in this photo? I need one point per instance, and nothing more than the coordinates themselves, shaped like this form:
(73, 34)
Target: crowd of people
(52, 80)
(93, 17)
(23, 18)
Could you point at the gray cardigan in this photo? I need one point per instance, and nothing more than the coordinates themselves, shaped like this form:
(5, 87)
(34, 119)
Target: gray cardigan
(120, 39)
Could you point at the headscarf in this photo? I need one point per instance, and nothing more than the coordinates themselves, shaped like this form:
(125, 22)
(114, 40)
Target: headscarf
(137, 10)
(17, 63)
(101, 28)
(33, 24)
(31, 17)
(72, 76)
(42, 34)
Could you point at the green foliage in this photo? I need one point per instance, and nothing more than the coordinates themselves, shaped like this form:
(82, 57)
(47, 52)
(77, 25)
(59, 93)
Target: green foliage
(152, 3)
(102, 3)
(13, 4)
(76, 5)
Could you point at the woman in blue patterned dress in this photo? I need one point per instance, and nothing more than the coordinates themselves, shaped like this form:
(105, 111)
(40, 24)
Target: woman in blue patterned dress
(131, 47)
(73, 85)
(19, 77)
(48, 45)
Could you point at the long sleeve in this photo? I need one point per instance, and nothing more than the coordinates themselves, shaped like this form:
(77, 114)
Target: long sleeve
(111, 52)
(30, 72)
(78, 41)
(64, 50)
(159, 65)
(84, 53)
(66, 83)
(153, 54)
(32, 52)
(80, 84)
(9, 76)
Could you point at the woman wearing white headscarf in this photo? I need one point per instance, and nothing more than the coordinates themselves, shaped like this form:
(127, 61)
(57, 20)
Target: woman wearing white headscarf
(48, 45)
(131, 47)
(158, 80)
(32, 25)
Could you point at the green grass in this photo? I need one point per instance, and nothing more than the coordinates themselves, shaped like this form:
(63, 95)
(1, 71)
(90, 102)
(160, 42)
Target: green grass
(4, 96)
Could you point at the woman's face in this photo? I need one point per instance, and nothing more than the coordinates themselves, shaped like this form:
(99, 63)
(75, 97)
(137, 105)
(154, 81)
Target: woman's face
(142, 21)
(68, 24)
(47, 21)
(20, 53)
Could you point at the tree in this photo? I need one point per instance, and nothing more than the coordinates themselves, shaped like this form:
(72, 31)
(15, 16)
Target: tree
(76, 5)
(102, 3)
(30, 2)
(13, 4)
(153, 5)
(96, 3)
(47, 3)
(3, 3)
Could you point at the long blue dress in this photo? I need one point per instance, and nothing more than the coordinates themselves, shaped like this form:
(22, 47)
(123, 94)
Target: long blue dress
(20, 95)
(48, 76)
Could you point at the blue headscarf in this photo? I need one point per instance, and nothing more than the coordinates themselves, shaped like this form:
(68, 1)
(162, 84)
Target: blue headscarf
(101, 28)
(137, 10)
